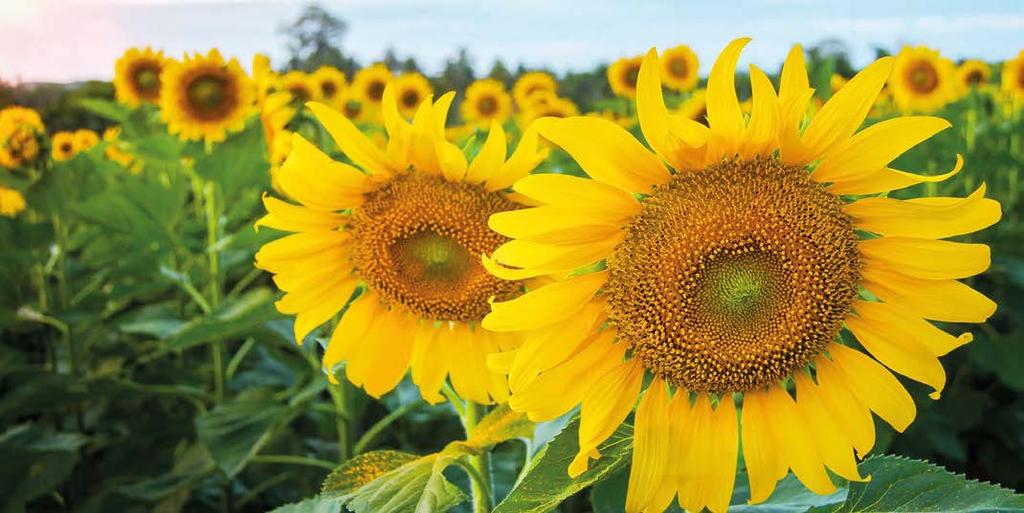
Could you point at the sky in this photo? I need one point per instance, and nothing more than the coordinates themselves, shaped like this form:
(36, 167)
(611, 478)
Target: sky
(71, 40)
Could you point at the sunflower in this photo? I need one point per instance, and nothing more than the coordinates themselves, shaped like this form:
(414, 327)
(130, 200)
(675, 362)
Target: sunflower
(137, 76)
(20, 130)
(695, 107)
(548, 105)
(353, 108)
(11, 202)
(972, 74)
(64, 146)
(1013, 78)
(402, 229)
(679, 68)
(116, 152)
(85, 139)
(622, 76)
(836, 82)
(730, 278)
(486, 101)
(204, 97)
(330, 83)
(532, 83)
(369, 83)
(410, 90)
(922, 80)
(300, 85)
(615, 117)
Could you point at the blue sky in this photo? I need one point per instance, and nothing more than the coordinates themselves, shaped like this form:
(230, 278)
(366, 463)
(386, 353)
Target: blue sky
(62, 40)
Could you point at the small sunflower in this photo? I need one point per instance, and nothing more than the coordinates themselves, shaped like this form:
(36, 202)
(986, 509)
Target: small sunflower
(116, 152)
(369, 83)
(410, 90)
(204, 97)
(836, 82)
(972, 74)
(622, 75)
(11, 202)
(137, 76)
(615, 117)
(679, 68)
(1013, 78)
(330, 83)
(85, 139)
(732, 276)
(533, 83)
(695, 107)
(300, 85)
(922, 80)
(64, 146)
(20, 130)
(263, 76)
(353, 107)
(486, 101)
(402, 229)
(549, 105)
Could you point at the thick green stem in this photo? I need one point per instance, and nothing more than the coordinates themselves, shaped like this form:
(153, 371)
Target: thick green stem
(342, 418)
(481, 486)
(212, 221)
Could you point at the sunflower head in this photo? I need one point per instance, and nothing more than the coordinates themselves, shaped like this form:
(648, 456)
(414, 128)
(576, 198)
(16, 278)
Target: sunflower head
(406, 224)
(20, 130)
(137, 76)
(922, 80)
(533, 83)
(727, 262)
(1012, 78)
(64, 146)
(622, 76)
(972, 74)
(548, 105)
(116, 151)
(300, 85)
(11, 202)
(205, 97)
(410, 90)
(330, 83)
(486, 101)
(695, 107)
(679, 68)
(369, 83)
(86, 139)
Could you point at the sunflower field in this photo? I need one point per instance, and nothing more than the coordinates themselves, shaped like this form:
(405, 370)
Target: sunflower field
(234, 287)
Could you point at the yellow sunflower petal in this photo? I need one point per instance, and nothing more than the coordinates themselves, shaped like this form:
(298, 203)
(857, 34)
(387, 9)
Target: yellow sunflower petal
(797, 446)
(724, 114)
(293, 218)
(651, 443)
(324, 305)
(525, 157)
(927, 218)
(348, 334)
(928, 259)
(764, 460)
(351, 141)
(844, 112)
(452, 160)
(835, 448)
(392, 361)
(423, 154)
(553, 224)
(873, 385)
(712, 441)
(544, 306)
(794, 94)
(762, 132)
(576, 193)
(938, 300)
(468, 373)
(650, 106)
(876, 146)
(886, 179)
(606, 151)
(605, 406)
(429, 360)
(491, 156)
(547, 347)
(319, 181)
(852, 417)
(554, 257)
(905, 328)
(279, 253)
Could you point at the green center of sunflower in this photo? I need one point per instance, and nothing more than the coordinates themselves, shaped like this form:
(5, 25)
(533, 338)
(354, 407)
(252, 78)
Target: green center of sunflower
(487, 105)
(923, 77)
(734, 276)
(631, 75)
(418, 242)
(147, 80)
(678, 67)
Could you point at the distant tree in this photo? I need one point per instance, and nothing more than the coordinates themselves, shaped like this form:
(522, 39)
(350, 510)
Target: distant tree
(409, 65)
(391, 60)
(500, 73)
(457, 73)
(832, 53)
(315, 40)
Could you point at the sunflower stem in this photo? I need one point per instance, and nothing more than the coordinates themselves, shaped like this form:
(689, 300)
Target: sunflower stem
(212, 221)
(481, 463)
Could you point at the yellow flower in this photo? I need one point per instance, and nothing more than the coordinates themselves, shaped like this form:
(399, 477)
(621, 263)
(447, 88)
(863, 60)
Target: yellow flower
(85, 139)
(263, 76)
(20, 129)
(532, 83)
(402, 229)
(330, 83)
(369, 83)
(117, 153)
(486, 101)
(548, 105)
(300, 85)
(972, 74)
(922, 80)
(622, 76)
(64, 146)
(1013, 78)
(679, 68)
(11, 202)
(731, 274)
(137, 76)
(353, 108)
(410, 90)
(205, 98)
(837, 82)
(695, 107)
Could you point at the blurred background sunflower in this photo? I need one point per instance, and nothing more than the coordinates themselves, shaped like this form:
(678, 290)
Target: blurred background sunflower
(205, 97)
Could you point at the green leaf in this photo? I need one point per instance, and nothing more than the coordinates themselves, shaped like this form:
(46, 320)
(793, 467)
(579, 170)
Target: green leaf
(238, 163)
(238, 317)
(547, 482)
(312, 505)
(235, 431)
(416, 487)
(192, 466)
(106, 109)
(903, 485)
(362, 469)
(499, 425)
(33, 461)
